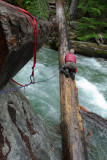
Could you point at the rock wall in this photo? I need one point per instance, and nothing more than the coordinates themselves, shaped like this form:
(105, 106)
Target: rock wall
(23, 135)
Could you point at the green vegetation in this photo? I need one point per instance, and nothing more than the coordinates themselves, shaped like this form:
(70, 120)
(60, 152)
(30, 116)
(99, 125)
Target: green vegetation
(39, 8)
(94, 19)
(19, 3)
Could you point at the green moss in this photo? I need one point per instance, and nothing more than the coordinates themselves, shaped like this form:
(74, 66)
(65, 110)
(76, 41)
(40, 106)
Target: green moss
(100, 52)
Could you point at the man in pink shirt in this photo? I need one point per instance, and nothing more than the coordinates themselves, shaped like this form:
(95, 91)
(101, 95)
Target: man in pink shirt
(69, 68)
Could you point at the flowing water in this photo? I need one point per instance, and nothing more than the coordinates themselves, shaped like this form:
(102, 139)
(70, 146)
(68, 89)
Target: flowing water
(91, 80)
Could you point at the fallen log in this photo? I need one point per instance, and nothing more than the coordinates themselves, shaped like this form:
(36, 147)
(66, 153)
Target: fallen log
(17, 40)
(89, 49)
(72, 130)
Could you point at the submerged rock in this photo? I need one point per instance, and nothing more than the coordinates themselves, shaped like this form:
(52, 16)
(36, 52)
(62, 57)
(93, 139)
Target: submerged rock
(23, 135)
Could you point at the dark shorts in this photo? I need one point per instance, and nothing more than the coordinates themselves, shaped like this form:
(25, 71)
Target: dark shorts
(70, 66)
(69, 69)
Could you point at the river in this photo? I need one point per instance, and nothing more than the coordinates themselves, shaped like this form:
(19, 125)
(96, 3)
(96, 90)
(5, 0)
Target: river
(91, 80)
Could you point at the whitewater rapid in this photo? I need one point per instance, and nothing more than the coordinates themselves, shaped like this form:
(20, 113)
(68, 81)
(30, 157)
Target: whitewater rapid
(91, 80)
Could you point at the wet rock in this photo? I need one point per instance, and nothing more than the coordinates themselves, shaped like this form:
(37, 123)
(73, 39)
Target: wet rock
(23, 135)
(73, 24)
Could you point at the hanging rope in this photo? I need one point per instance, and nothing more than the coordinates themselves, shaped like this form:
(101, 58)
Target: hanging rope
(35, 36)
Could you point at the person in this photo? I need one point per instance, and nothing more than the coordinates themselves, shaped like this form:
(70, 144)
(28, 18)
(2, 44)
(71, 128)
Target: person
(69, 68)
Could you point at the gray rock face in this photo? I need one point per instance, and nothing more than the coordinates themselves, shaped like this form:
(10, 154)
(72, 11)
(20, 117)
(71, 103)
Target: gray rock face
(73, 24)
(23, 135)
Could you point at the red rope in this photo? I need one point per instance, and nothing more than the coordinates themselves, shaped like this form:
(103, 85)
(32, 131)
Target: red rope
(16, 82)
(20, 85)
(34, 25)
(35, 36)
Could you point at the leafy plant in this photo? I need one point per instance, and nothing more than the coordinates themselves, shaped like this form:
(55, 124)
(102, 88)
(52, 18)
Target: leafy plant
(40, 9)
(92, 23)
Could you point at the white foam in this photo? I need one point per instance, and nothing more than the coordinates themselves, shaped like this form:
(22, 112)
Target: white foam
(92, 93)
(95, 63)
(92, 62)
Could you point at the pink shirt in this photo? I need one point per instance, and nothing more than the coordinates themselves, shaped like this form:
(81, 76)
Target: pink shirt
(70, 57)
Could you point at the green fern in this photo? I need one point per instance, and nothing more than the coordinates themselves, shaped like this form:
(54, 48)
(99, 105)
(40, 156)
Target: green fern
(40, 9)
(88, 36)
(92, 23)
(105, 35)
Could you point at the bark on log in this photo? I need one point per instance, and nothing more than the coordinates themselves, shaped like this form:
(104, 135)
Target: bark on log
(72, 131)
(17, 41)
(89, 49)
(23, 135)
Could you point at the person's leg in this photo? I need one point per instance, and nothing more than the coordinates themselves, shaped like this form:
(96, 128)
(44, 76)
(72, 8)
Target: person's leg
(69, 70)
(66, 72)
(72, 75)
(72, 67)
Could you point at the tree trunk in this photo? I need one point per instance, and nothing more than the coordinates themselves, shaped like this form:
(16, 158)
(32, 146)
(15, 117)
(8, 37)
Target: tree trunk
(89, 49)
(23, 135)
(73, 9)
(17, 41)
(72, 129)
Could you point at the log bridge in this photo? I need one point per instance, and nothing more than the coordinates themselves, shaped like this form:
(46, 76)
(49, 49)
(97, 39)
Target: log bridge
(72, 129)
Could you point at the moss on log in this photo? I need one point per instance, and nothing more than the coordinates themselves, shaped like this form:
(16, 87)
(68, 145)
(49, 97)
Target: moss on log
(89, 49)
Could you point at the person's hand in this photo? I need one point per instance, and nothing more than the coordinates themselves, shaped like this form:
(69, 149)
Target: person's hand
(75, 70)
